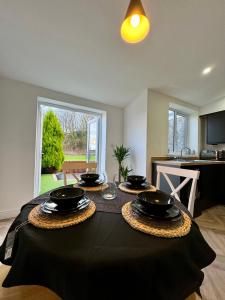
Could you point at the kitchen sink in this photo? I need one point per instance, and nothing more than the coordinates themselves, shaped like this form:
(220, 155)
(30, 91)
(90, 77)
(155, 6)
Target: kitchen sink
(181, 159)
(205, 160)
(200, 160)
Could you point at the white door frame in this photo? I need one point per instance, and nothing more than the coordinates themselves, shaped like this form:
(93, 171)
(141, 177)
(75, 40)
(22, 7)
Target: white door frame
(69, 106)
(97, 121)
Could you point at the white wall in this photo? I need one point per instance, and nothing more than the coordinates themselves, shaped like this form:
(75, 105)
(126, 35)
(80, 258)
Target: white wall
(135, 133)
(18, 108)
(146, 128)
(158, 105)
(213, 107)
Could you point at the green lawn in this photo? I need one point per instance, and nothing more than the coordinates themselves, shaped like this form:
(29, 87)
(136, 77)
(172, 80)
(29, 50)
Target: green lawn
(48, 183)
(47, 180)
(78, 157)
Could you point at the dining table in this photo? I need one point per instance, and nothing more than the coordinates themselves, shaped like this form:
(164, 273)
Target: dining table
(104, 257)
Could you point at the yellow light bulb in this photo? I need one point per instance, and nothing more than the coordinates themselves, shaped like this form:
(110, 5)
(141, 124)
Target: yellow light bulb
(133, 32)
(136, 25)
(135, 20)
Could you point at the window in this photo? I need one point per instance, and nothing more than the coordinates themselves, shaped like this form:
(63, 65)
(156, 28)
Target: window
(177, 131)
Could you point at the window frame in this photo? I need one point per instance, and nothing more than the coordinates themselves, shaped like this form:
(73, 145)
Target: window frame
(180, 113)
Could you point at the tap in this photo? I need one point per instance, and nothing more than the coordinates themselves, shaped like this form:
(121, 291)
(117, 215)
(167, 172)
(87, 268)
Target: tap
(184, 148)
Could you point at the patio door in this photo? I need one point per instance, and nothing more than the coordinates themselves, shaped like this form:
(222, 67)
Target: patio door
(84, 131)
(93, 139)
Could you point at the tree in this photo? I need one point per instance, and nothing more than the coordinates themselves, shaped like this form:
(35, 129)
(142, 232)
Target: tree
(74, 125)
(52, 143)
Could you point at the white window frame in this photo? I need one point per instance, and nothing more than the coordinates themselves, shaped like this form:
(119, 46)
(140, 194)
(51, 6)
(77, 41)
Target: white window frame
(74, 107)
(177, 112)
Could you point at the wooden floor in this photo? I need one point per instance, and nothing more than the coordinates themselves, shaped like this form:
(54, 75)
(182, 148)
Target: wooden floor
(4, 226)
(212, 225)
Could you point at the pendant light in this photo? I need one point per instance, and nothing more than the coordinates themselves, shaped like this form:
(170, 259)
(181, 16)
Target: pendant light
(136, 25)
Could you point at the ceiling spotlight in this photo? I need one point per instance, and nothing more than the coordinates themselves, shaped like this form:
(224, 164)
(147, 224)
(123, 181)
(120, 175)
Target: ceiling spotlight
(136, 25)
(206, 71)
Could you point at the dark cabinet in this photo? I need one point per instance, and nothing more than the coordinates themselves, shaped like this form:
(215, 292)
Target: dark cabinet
(216, 128)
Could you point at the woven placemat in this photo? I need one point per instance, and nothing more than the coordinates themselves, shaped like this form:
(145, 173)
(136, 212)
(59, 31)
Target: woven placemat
(159, 229)
(123, 188)
(98, 188)
(43, 220)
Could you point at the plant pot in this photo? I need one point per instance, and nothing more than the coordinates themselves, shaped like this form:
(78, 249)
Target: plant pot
(48, 170)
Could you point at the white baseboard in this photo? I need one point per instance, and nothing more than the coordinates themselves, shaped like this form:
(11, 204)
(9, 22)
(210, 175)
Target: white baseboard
(7, 214)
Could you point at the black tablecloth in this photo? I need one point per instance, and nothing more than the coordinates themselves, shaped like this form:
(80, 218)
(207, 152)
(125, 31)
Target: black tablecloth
(104, 258)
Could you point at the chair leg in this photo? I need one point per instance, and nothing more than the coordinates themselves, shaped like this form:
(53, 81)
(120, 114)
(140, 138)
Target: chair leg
(158, 181)
(65, 179)
(191, 202)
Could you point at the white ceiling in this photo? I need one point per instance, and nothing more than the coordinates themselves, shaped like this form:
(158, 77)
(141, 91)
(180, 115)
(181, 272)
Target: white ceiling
(74, 46)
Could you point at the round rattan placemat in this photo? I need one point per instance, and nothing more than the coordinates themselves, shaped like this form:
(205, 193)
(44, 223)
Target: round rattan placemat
(123, 188)
(156, 228)
(42, 220)
(93, 188)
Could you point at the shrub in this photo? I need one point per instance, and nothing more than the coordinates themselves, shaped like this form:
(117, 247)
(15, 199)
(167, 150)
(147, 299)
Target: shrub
(52, 143)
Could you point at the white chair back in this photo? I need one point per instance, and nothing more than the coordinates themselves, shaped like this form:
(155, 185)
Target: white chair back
(188, 174)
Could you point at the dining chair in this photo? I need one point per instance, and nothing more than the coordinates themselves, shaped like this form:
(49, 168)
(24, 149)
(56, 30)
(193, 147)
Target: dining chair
(76, 167)
(187, 174)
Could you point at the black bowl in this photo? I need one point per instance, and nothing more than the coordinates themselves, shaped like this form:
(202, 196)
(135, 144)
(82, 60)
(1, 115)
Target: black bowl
(89, 177)
(156, 202)
(136, 180)
(67, 197)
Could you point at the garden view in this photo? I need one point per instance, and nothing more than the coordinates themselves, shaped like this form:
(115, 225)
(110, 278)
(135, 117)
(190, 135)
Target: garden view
(64, 138)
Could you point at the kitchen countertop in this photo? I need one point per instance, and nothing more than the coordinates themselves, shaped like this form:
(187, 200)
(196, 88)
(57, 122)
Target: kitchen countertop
(184, 162)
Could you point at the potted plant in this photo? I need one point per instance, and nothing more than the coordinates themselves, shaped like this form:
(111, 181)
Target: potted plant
(121, 153)
(125, 172)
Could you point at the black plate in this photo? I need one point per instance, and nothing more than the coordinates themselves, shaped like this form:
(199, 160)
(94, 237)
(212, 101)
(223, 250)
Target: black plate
(173, 213)
(143, 186)
(45, 210)
(50, 207)
(93, 184)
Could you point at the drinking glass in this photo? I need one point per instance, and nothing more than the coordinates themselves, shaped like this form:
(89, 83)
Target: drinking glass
(110, 192)
(104, 177)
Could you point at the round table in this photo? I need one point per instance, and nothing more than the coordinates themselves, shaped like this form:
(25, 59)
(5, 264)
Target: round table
(104, 258)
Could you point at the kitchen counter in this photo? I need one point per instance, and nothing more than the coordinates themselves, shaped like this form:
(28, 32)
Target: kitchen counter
(210, 186)
(180, 163)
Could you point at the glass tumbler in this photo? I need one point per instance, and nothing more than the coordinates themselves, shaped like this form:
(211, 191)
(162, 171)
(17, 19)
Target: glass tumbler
(110, 192)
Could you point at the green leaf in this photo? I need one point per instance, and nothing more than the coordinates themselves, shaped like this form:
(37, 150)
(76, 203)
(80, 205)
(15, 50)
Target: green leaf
(121, 153)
